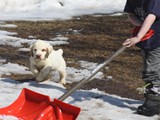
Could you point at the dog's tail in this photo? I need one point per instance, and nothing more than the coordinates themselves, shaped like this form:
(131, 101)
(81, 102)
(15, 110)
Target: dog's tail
(60, 51)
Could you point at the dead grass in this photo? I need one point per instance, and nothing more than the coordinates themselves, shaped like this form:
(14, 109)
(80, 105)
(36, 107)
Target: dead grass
(97, 38)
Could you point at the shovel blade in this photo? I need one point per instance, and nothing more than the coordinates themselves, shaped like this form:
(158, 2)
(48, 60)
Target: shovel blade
(31, 105)
(27, 106)
(64, 111)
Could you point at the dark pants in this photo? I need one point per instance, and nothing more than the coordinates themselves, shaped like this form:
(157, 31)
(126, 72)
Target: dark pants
(151, 65)
(151, 74)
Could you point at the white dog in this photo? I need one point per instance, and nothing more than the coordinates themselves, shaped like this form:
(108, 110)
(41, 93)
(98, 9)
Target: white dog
(44, 59)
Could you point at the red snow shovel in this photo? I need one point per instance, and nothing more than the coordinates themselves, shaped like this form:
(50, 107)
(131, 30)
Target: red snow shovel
(31, 105)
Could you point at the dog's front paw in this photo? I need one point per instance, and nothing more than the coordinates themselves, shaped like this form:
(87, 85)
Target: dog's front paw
(39, 79)
(35, 71)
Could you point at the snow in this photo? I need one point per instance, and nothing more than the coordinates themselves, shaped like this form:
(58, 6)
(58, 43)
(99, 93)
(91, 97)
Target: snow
(94, 104)
(13, 69)
(55, 9)
(8, 117)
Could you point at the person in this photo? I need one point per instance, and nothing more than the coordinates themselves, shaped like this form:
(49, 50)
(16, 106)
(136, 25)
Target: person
(145, 16)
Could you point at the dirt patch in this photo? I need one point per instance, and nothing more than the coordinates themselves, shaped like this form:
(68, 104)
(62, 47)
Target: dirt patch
(91, 39)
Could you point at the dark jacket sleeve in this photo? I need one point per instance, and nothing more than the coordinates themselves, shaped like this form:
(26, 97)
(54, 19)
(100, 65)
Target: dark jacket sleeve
(128, 8)
(155, 8)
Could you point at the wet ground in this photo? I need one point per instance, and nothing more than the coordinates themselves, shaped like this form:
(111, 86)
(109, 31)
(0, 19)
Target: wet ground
(91, 38)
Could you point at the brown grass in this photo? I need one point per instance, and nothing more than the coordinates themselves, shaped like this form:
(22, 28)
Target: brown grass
(98, 38)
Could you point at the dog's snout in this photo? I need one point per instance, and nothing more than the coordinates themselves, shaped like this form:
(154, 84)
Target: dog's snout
(38, 56)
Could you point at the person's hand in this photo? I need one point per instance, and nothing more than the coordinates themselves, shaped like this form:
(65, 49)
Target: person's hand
(131, 41)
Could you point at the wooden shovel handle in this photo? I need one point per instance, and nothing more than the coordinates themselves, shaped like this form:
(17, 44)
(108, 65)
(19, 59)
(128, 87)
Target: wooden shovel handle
(94, 72)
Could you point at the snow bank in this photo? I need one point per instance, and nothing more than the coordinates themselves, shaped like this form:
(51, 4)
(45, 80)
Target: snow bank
(55, 9)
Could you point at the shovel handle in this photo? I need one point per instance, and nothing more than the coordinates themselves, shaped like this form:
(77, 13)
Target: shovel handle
(94, 72)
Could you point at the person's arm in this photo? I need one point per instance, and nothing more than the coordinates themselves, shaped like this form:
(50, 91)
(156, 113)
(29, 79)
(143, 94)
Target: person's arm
(150, 19)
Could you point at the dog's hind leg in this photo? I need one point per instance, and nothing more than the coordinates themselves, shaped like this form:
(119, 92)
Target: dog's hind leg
(62, 77)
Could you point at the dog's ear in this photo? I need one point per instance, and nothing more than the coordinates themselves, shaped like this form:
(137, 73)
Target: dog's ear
(31, 50)
(49, 50)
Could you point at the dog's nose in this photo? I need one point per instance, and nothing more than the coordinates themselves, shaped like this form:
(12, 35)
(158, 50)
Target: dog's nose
(38, 56)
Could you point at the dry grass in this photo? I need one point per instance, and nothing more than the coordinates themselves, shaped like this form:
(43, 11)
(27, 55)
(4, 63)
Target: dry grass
(98, 37)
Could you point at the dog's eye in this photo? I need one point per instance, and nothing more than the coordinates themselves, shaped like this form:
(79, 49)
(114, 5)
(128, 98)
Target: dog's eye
(35, 49)
(43, 50)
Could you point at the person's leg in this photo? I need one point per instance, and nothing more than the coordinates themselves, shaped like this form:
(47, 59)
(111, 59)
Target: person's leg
(151, 74)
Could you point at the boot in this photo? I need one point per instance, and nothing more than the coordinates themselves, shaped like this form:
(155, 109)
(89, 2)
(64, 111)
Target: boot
(151, 105)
